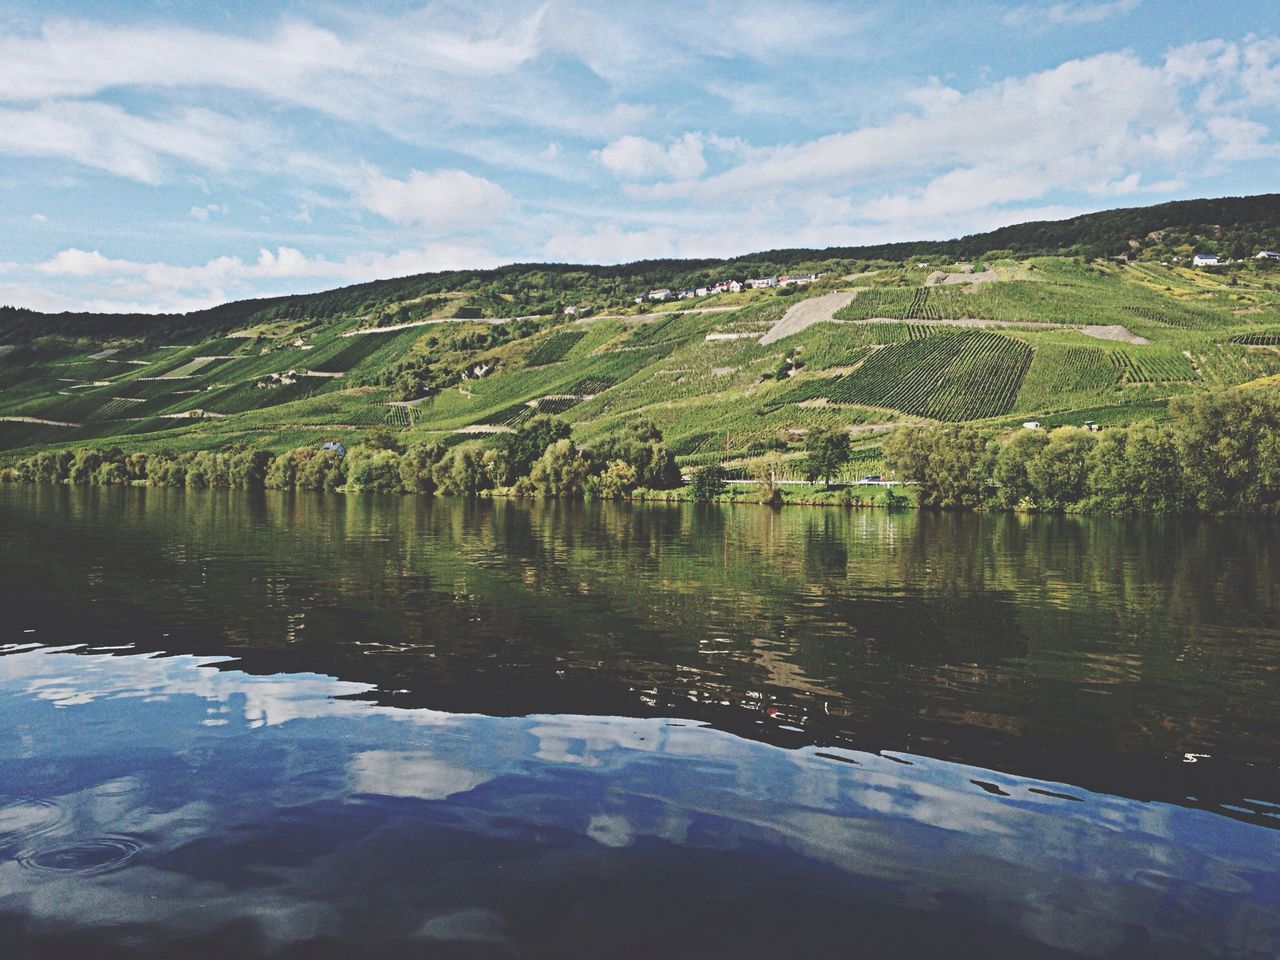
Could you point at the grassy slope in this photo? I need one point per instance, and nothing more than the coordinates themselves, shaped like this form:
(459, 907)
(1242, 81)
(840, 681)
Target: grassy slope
(712, 398)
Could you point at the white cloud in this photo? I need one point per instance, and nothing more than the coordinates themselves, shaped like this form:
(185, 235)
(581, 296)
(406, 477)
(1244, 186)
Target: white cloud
(1239, 139)
(637, 158)
(203, 213)
(39, 217)
(105, 137)
(1069, 14)
(99, 282)
(442, 201)
(83, 263)
(1090, 121)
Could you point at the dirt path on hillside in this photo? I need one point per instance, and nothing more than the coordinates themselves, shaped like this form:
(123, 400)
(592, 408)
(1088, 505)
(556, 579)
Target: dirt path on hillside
(806, 313)
(659, 314)
(1097, 331)
(47, 423)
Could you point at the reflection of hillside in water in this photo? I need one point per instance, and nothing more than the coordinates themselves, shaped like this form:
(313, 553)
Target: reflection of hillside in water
(1051, 647)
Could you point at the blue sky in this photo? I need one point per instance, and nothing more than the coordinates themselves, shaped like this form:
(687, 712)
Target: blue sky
(166, 156)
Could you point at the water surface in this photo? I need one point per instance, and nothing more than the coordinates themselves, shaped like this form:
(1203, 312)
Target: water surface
(304, 725)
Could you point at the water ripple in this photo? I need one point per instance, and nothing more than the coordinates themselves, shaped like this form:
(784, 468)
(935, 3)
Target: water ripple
(21, 821)
(85, 857)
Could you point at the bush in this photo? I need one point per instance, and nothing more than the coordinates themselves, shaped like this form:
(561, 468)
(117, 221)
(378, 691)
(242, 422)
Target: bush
(707, 482)
(615, 482)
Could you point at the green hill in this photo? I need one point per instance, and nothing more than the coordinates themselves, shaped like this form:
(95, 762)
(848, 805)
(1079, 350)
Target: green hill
(1044, 321)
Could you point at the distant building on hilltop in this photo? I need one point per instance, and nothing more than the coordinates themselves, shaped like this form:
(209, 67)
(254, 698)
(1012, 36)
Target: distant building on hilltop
(335, 445)
(1266, 255)
(1204, 260)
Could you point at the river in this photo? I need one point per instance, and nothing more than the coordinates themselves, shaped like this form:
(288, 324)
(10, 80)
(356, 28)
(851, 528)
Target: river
(294, 725)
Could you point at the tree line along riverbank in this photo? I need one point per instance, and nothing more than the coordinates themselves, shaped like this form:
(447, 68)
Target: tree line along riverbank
(1218, 454)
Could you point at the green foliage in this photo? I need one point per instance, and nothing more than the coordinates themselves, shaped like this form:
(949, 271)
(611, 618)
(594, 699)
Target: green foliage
(707, 482)
(827, 451)
(1058, 474)
(1008, 467)
(526, 445)
(554, 347)
(640, 445)
(417, 467)
(948, 377)
(461, 473)
(1230, 449)
(946, 462)
(561, 471)
(615, 482)
(1137, 471)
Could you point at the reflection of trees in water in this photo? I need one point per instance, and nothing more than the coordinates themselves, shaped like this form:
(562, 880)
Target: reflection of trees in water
(1155, 636)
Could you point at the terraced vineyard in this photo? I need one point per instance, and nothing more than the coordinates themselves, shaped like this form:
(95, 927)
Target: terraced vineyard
(965, 376)
(509, 416)
(1153, 367)
(590, 386)
(1059, 371)
(1269, 338)
(554, 348)
(890, 353)
(1059, 298)
(345, 353)
(397, 416)
(556, 405)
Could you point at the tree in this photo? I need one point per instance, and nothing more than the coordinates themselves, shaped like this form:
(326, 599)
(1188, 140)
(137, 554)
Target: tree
(1137, 470)
(381, 438)
(615, 482)
(527, 444)
(1060, 474)
(416, 465)
(946, 462)
(707, 482)
(827, 451)
(640, 445)
(765, 473)
(461, 473)
(1009, 466)
(561, 471)
(1229, 444)
(373, 470)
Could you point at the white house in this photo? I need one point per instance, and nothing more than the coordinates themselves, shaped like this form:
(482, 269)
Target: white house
(1031, 425)
(663, 294)
(1266, 255)
(1204, 260)
(734, 286)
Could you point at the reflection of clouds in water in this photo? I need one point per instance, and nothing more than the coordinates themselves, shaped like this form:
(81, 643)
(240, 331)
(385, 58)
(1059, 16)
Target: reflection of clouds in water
(405, 773)
(587, 741)
(67, 680)
(1070, 874)
(1077, 875)
(610, 830)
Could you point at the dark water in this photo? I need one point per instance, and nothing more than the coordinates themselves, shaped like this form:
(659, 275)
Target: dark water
(243, 725)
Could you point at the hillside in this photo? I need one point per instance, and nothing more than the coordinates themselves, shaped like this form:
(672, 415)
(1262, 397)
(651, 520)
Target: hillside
(884, 335)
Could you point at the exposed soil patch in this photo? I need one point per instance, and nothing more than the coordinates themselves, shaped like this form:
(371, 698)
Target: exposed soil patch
(805, 314)
(940, 278)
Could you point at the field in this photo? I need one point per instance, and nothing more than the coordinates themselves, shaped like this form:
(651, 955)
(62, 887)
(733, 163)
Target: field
(962, 376)
(554, 347)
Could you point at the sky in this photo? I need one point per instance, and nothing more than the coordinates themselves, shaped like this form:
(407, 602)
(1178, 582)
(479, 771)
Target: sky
(167, 156)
